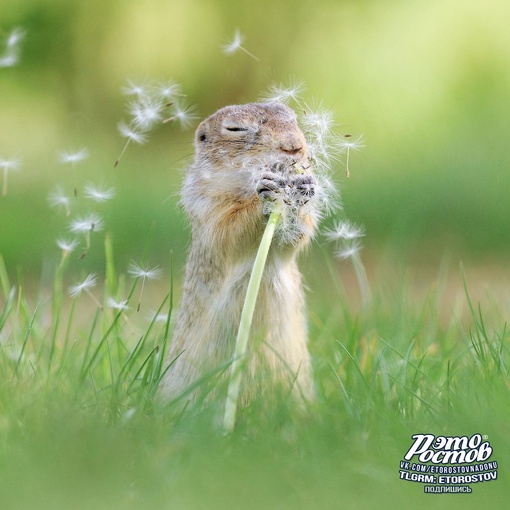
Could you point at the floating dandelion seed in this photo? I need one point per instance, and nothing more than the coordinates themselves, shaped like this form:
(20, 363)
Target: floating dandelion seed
(89, 223)
(135, 89)
(349, 250)
(169, 90)
(147, 110)
(8, 165)
(346, 144)
(146, 113)
(157, 317)
(347, 235)
(137, 271)
(98, 194)
(67, 246)
(72, 158)
(117, 305)
(12, 50)
(236, 45)
(182, 113)
(59, 199)
(131, 135)
(345, 230)
(85, 225)
(282, 94)
(85, 286)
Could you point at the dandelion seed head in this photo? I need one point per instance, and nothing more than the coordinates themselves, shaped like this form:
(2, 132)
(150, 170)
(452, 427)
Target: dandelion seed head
(98, 194)
(90, 223)
(73, 157)
(89, 282)
(137, 271)
(131, 134)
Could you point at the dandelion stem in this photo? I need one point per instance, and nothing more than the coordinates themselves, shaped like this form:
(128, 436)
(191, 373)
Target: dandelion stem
(245, 323)
(122, 153)
(249, 53)
(361, 276)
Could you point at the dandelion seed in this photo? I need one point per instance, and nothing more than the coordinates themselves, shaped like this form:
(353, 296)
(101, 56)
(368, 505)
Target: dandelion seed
(87, 284)
(89, 223)
(345, 230)
(346, 144)
(85, 225)
(146, 113)
(157, 317)
(182, 113)
(72, 158)
(131, 135)
(134, 89)
(236, 45)
(11, 56)
(98, 194)
(169, 90)
(349, 250)
(118, 305)
(282, 94)
(137, 271)
(318, 121)
(8, 165)
(59, 199)
(67, 246)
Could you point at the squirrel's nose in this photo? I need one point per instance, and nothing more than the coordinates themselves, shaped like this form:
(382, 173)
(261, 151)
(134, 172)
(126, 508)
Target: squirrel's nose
(291, 146)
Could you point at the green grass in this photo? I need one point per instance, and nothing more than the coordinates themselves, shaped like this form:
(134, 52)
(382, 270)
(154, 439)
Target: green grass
(81, 425)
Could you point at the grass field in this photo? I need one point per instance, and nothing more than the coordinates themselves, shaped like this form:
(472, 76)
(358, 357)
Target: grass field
(81, 427)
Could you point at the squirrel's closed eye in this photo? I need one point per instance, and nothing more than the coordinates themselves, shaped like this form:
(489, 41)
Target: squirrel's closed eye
(235, 127)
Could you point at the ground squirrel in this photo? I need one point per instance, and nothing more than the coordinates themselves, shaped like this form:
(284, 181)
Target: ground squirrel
(248, 159)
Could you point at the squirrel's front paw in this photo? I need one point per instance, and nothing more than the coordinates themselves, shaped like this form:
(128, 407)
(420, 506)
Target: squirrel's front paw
(271, 186)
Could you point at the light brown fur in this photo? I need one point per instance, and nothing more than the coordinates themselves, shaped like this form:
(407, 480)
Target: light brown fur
(248, 158)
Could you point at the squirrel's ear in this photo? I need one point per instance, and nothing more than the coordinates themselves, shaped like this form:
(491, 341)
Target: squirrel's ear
(201, 133)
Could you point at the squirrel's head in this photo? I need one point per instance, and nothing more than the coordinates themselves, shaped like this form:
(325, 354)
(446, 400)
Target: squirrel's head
(238, 134)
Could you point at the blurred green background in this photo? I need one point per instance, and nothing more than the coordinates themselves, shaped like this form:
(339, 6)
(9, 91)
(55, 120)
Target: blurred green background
(427, 83)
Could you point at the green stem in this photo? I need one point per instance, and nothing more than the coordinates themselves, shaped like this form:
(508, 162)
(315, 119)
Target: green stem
(234, 385)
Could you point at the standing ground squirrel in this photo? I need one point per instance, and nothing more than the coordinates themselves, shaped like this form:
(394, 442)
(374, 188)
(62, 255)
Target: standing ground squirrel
(248, 159)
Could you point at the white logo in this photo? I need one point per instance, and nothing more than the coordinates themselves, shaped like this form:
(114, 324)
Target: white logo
(448, 464)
